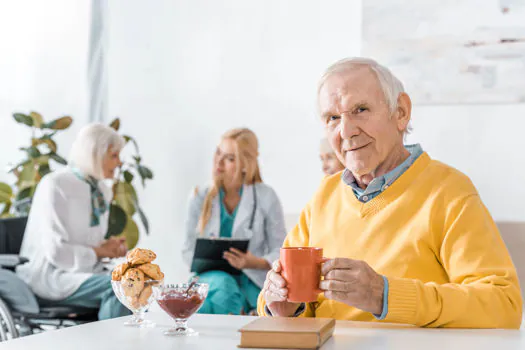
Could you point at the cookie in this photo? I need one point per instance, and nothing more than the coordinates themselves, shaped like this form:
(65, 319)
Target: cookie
(119, 271)
(144, 296)
(133, 302)
(139, 256)
(132, 282)
(152, 271)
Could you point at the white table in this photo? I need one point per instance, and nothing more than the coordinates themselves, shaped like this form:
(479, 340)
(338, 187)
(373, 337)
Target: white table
(220, 332)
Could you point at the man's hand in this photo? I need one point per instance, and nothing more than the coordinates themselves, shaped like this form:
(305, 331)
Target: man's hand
(354, 283)
(247, 260)
(275, 293)
(112, 248)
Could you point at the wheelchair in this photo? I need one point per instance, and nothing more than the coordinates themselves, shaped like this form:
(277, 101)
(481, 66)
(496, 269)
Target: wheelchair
(21, 312)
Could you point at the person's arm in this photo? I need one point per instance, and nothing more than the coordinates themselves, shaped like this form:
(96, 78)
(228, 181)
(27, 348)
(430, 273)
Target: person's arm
(56, 244)
(483, 291)
(192, 218)
(274, 233)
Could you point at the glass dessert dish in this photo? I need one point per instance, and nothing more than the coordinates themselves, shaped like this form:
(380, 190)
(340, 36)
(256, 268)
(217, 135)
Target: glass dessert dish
(181, 301)
(137, 298)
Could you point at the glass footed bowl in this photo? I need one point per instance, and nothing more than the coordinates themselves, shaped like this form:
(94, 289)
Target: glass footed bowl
(136, 298)
(180, 303)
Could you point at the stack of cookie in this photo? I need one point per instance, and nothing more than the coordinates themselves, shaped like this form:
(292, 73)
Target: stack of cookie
(136, 276)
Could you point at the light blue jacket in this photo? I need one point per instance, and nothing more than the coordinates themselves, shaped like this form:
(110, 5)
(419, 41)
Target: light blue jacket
(266, 237)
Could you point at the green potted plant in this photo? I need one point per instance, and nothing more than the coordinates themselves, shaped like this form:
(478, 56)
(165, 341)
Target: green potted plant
(125, 204)
(41, 150)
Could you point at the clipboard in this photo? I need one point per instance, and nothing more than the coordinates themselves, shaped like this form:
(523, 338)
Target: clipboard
(208, 254)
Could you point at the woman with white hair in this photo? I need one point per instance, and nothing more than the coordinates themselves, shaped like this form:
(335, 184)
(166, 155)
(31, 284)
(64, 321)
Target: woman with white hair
(64, 238)
(237, 205)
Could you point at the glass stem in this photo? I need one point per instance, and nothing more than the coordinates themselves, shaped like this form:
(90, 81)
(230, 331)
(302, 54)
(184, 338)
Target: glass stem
(138, 317)
(181, 324)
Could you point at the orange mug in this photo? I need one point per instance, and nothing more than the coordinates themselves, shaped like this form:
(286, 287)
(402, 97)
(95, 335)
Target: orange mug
(301, 269)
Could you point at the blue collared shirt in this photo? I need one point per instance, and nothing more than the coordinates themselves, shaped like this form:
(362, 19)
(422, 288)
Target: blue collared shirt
(375, 188)
(379, 184)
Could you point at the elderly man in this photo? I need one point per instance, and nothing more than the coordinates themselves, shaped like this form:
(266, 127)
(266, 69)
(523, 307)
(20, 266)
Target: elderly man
(409, 238)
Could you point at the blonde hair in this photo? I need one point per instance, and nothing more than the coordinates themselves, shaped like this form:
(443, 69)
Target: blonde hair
(246, 153)
(91, 145)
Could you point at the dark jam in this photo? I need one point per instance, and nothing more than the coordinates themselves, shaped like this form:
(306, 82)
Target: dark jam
(180, 305)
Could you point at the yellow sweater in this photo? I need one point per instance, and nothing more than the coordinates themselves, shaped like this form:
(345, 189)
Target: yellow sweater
(431, 236)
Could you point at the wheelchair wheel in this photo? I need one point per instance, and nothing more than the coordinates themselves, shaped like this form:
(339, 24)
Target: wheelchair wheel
(7, 324)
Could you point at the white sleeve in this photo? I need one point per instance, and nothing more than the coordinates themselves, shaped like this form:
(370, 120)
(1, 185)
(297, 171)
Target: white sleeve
(192, 219)
(52, 207)
(274, 228)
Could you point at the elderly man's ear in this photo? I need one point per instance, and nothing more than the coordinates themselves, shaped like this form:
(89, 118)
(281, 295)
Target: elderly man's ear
(404, 110)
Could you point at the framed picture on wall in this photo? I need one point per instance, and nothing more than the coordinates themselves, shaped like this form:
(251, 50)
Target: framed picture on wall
(450, 51)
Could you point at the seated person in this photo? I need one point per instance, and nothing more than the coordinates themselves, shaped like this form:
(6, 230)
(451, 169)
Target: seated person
(409, 238)
(330, 162)
(236, 205)
(64, 238)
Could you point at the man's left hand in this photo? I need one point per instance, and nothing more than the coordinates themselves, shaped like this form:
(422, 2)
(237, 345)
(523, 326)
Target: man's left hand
(354, 283)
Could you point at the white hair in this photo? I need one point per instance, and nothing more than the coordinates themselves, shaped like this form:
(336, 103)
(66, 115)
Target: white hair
(392, 87)
(91, 145)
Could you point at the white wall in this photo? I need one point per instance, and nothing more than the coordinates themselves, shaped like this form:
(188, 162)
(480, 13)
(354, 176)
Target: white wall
(183, 72)
(43, 61)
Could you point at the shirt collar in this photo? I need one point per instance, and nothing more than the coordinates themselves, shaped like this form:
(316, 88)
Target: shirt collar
(380, 183)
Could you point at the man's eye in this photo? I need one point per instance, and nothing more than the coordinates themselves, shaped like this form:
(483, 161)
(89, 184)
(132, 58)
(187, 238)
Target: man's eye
(361, 109)
(333, 118)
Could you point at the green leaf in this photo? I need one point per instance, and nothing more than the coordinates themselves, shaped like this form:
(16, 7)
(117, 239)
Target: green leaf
(125, 196)
(43, 159)
(145, 173)
(137, 159)
(6, 193)
(131, 232)
(25, 193)
(148, 174)
(117, 220)
(43, 170)
(27, 176)
(115, 124)
(128, 176)
(51, 145)
(58, 124)
(129, 138)
(5, 210)
(32, 151)
(48, 136)
(143, 217)
(27, 161)
(37, 119)
(48, 142)
(57, 158)
(23, 119)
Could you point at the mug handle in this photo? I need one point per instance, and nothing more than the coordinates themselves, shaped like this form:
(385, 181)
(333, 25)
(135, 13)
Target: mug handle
(319, 290)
